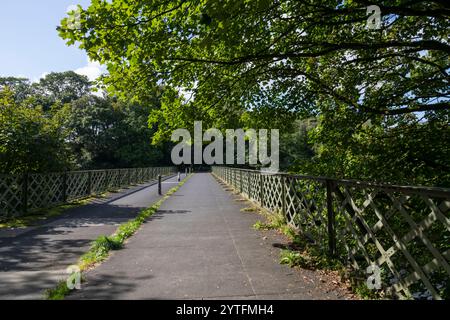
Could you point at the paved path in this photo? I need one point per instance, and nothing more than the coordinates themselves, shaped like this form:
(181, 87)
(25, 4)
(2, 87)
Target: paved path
(200, 246)
(35, 258)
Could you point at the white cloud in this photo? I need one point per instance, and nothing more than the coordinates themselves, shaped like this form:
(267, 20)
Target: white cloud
(42, 76)
(92, 70)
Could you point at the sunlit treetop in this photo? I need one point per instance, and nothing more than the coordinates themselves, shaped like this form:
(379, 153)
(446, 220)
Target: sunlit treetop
(283, 57)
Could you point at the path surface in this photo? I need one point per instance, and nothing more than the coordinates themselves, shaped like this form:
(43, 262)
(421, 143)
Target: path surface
(34, 259)
(200, 246)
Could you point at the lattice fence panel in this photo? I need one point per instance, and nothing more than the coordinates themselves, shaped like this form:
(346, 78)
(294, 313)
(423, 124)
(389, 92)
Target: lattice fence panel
(406, 235)
(306, 208)
(246, 183)
(142, 175)
(134, 176)
(154, 173)
(99, 182)
(226, 175)
(123, 174)
(272, 192)
(112, 180)
(255, 187)
(120, 179)
(10, 195)
(238, 175)
(405, 231)
(233, 178)
(146, 174)
(45, 190)
(77, 185)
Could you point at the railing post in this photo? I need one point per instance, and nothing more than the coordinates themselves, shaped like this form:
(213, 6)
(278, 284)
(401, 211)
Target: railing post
(331, 219)
(25, 192)
(64, 187)
(129, 177)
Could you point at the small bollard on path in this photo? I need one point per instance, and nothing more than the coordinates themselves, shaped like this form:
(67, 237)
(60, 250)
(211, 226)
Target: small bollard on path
(179, 176)
(159, 185)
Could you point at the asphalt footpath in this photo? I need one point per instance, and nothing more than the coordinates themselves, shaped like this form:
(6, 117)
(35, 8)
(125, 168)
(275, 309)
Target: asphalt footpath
(200, 245)
(34, 259)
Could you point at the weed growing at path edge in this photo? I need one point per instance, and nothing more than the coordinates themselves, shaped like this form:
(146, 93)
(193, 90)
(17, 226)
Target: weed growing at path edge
(274, 221)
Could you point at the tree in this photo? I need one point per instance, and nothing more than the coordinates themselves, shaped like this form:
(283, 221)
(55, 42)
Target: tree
(104, 133)
(403, 150)
(300, 58)
(295, 147)
(226, 51)
(20, 86)
(61, 87)
(29, 141)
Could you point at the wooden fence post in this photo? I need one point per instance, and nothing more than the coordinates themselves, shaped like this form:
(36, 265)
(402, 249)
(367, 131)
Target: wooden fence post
(331, 219)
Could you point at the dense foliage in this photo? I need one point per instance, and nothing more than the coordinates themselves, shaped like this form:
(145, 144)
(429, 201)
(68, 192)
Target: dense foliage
(381, 96)
(59, 124)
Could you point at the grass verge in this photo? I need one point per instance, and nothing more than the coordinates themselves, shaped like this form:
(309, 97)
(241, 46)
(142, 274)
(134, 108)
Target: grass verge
(103, 245)
(249, 209)
(274, 221)
(303, 253)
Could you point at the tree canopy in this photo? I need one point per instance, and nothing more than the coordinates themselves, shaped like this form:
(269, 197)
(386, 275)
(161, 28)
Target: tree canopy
(58, 124)
(251, 53)
(220, 61)
(62, 87)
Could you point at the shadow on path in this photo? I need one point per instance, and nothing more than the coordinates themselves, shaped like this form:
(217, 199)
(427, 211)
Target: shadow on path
(35, 259)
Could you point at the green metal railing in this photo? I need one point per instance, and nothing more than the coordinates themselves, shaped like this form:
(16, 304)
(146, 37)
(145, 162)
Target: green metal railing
(402, 230)
(22, 193)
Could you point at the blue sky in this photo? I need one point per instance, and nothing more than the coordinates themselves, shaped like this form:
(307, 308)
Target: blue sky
(30, 45)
